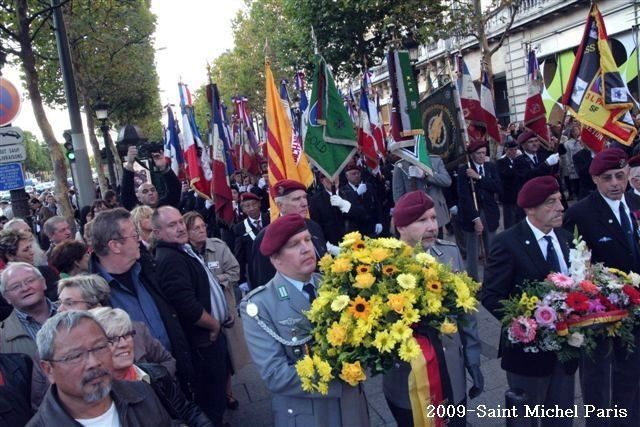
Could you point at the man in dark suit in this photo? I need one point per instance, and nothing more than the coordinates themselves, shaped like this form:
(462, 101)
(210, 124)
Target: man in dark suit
(361, 196)
(529, 251)
(290, 197)
(532, 162)
(508, 177)
(245, 232)
(582, 162)
(481, 219)
(605, 219)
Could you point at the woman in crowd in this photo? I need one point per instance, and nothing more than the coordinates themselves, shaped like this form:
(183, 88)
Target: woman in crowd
(218, 257)
(40, 257)
(70, 258)
(141, 217)
(121, 332)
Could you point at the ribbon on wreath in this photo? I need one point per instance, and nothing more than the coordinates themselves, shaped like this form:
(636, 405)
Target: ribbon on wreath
(429, 382)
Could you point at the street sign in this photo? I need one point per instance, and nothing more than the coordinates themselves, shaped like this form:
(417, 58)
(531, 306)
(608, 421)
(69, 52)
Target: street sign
(9, 101)
(11, 177)
(12, 153)
(11, 135)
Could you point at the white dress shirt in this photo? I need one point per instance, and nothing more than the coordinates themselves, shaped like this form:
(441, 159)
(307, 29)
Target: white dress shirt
(615, 207)
(542, 243)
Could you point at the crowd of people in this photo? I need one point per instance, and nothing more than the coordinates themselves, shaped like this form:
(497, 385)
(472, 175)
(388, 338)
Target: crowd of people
(141, 309)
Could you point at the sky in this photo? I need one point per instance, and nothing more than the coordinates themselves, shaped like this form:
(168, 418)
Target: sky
(188, 34)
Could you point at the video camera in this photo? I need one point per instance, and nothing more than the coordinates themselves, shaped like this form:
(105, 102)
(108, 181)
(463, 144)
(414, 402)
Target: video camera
(132, 135)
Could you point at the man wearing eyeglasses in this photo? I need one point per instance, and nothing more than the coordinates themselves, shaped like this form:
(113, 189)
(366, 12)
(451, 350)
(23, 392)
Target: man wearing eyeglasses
(76, 358)
(147, 194)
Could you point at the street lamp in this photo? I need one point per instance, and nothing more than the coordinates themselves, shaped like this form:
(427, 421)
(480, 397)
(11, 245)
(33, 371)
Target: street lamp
(102, 113)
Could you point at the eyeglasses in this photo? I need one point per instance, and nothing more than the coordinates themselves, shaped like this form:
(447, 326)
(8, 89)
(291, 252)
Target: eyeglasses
(148, 190)
(82, 356)
(71, 303)
(134, 236)
(22, 284)
(116, 339)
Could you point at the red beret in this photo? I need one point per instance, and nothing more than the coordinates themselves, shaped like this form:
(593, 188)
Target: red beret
(634, 161)
(535, 191)
(410, 207)
(611, 158)
(525, 136)
(248, 196)
(286, 186)
(476, 144)
(280, 231)
(351, 167)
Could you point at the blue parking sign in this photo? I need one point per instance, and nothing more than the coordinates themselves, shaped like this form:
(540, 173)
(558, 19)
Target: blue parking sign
(11, 176)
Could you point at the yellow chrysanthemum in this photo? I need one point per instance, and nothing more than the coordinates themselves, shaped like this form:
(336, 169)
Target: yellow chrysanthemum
(355, 235)
(307, 384)
(434, 304)
(336, 334)
(305, 368)
(359, 308)
(341, 265)
(323, 367)
(352, 373)
(409, 350)
(406, 281)
(363, 256)
(397, 302)
(467, 304)
(410, 316)
(425, 259)
(339, 303)
(389, 270)
(323, 388)
(390, 243)
(400, 331)
(364, 281)
(384, 342)
(325, 262)
(448, 327)
(361, 269)
(379, 254)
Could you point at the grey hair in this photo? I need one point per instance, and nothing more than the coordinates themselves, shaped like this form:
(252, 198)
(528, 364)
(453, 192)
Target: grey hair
(49, 227)
(106, 227)
(11, 225)
(114, 321)
(4, 276)
(93, 288)
(65, 321)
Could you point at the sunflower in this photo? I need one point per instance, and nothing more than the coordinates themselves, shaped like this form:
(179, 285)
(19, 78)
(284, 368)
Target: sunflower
(357, 246)
(362, 269)
(389, 270)
(435, 286)
(360, 308)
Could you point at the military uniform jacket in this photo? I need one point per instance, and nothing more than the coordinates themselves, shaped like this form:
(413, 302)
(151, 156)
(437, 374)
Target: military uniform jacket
(509, 179)
(367, 204)
(330, 218)
(244, 233)
(487, 189)
(280, 306)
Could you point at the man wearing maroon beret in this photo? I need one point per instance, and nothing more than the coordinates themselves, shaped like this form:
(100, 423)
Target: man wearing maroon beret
(533, 161)
(278, 333)
(529, 251)
(606, 221)
(483, 220)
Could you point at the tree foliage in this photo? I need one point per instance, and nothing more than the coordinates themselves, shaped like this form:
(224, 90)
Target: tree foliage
(37, 154)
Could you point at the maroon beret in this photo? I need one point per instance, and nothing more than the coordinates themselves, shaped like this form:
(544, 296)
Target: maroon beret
(510, 144)
(634, 161)
(410, 207)
(611, 158)
(351, 167)
(280, 231)
(248, 196)
(525, 136)
(286, 186)
(476, 144)
(535, 191)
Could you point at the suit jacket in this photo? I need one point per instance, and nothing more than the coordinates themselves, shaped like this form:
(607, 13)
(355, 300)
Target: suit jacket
(367, 204)
(261, 270)
(602, 232)
(509, 179)
(487, 189)
(331, 219)
(525, 169)
(581, 163)
(243, 244)
(514, 258)
(14, 337)
(343, 405)
(432, 185)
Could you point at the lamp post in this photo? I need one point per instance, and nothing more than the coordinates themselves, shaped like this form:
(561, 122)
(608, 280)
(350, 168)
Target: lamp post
(102, 113)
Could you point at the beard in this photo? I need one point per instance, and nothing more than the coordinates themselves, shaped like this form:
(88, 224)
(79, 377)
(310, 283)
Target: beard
(98, 391)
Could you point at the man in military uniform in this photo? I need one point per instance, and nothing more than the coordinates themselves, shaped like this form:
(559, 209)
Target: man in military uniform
(361, 196)
(277, 332)
(415, 219)
(245, 233)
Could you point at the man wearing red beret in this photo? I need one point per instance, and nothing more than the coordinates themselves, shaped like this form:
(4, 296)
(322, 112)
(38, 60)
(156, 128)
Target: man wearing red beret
(484, 220)
(606, 221)
(361, 196)
(277, 332)
(532, 162)
(529, 251)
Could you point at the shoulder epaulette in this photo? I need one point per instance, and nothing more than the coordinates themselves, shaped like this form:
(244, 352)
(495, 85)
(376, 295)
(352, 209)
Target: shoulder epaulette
(445, 242)
(255, 291)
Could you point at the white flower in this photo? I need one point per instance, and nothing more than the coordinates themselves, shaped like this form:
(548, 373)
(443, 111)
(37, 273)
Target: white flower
(635, 278)
(576, 339)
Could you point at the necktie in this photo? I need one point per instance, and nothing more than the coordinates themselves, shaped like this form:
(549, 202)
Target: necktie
(627, 228)
(257, 224)
(311, 290)
(480, 170)
(552, 257)
(535, 160)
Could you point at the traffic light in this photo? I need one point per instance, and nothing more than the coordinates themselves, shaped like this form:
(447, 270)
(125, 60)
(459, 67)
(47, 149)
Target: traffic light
(68, 145)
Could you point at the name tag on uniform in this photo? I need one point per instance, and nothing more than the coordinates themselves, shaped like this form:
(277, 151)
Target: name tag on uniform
(213, 265)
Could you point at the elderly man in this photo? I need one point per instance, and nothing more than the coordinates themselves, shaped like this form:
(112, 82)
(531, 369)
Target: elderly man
(57, 230)
(415, 218)
(76, 357)
(245, 232)
(529, 251)
(606, 221)
(634, 176)
(135, 287)
(361, 196)
(290, 197)
(277, 331)
(200, 303)
(532, 162)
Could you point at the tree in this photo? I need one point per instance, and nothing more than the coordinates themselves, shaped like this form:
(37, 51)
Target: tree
(37, 154)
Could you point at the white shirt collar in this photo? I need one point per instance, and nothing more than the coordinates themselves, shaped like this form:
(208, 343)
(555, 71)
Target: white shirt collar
(636, 192)
(615, 204)
(297, 283)
(539, 234)
(532, 156)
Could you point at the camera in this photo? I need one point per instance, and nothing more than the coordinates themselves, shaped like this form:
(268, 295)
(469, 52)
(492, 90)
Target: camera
(146, 149)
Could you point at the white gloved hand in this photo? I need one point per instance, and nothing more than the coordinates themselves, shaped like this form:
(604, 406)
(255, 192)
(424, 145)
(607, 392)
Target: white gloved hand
(378, 229)
(262, 183)
(453, 210)
(553, 159)
(362, 188)
(333, 249)
(340, 203)
(242, 189)
(244, 287)
(208, 203)
(416, 172)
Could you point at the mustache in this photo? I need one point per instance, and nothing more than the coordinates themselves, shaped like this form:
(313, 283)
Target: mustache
(92, 375)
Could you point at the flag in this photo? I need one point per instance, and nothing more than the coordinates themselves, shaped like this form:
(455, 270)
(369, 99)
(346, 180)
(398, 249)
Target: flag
(535, 115)
(330, 140)
(366, 140)
(405, 120)
(377, 126)
(281, 164)
(172, 144)
(197, 160)
(248, 140)
(221, 188)
(304, 104)
(350, 104)
(469, 101)
(228, 146)
(488, 108)
(596, 94)
(593, 139)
